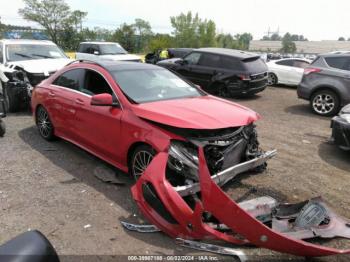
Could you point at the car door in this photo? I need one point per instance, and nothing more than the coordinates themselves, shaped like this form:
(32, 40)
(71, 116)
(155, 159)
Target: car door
(207, 67)
(189, 62)
(98, 127)
(285, 71)
(298, 71)
(61, 101)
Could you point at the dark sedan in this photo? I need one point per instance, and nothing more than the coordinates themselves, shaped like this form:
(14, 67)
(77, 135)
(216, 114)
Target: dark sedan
(341, 128)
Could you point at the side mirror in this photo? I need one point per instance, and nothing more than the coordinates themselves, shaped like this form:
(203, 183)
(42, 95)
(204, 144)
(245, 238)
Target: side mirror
(96, 52)
(103, 100)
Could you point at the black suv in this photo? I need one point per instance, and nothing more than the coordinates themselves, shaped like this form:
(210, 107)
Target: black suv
(326, 83)
(220, 71)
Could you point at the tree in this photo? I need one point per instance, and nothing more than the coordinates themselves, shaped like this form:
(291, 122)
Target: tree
(341, 39)
(288, 46)
(125, 36)
(160, 41)
(144, 31)
(53, 15)
(244, 40)
(185, 29)
(206, 33)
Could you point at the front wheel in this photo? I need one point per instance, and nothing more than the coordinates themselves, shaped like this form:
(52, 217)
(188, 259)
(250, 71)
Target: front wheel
(325, 103)
(44, 124)
(272, 79)
(140, 160)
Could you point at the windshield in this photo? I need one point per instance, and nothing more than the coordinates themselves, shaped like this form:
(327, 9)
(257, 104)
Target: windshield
(20, 52)
(153, 85)
(112, 49)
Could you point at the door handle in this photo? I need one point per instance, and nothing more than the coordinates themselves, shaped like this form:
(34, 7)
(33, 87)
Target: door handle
(79, 101)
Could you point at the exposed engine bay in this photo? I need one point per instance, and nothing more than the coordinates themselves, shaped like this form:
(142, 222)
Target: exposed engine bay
(18, 85)
(180, 194)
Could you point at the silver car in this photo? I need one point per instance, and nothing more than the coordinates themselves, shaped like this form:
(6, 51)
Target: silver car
(326, 83)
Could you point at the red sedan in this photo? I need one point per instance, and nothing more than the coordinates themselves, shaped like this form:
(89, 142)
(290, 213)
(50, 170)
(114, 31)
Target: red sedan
(124, 113)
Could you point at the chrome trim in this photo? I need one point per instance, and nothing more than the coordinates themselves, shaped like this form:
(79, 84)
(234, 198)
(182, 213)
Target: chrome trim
(228, 174)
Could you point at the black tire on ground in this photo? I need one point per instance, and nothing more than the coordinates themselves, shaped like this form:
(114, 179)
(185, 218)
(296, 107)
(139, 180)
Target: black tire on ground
(140, 159)
(325, 103)
(12, 102)
(44, 124)
(272, 79)
(2, 128)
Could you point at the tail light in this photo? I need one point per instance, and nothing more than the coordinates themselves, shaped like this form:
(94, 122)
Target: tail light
(308, 71)
(244, 77)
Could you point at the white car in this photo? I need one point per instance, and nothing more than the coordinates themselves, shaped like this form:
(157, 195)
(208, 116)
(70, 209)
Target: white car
(23, 65)
(96, 51)
(287, 71)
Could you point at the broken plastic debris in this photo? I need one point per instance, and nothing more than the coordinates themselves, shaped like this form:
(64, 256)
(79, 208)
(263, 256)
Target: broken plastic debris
(140, 228)
(87, 226)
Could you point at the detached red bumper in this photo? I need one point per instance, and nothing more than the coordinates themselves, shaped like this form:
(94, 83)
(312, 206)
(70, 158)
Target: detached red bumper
(167, 209)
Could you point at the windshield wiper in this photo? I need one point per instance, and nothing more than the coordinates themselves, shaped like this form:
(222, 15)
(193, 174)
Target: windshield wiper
(23, 55)
(44, 56)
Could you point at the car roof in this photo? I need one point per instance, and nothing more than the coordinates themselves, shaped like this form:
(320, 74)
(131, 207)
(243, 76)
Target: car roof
(332, 54)
(229, 52)
(113, 66)
(27, 41)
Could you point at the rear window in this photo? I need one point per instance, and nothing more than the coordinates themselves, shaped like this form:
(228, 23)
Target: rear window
(342, 63)
(230, 63)
(209, 60)
(255, 65)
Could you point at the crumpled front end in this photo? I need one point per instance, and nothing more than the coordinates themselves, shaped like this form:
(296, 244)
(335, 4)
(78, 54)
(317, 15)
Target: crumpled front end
(180, 193)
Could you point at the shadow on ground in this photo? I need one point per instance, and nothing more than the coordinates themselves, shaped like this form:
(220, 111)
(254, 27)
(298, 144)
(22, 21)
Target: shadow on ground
(334, 156)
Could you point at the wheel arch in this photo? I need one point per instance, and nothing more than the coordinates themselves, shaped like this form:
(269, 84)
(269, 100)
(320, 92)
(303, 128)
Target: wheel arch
(132, 149)
(328, 88)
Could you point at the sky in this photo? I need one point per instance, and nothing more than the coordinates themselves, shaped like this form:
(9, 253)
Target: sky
(315, 19)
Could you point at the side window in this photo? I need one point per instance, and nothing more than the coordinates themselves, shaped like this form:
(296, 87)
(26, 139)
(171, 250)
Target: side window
(1, 54)
(193, 58)
(209, 60)
(72, 79)
(230, 63)
(300, 64)
(95, 48)
(285, 62)
(95, 84)
(338, 62)
(83, 48)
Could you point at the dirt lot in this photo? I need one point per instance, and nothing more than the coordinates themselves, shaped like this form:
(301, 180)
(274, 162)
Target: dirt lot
(52, 187)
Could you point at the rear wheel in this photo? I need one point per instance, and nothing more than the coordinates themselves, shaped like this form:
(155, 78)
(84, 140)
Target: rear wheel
(325, 103)
(141, 158)
(272, 79)
(44, 124)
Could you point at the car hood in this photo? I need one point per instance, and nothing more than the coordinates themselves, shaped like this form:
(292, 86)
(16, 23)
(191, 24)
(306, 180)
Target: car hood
(205, 112)
(121, 57)
(38, 66)
(169, 61)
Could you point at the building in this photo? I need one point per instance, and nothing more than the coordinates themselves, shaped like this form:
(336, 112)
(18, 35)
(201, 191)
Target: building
(303, 47)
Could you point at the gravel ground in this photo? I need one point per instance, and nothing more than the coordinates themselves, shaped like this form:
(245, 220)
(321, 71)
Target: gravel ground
(52, 187)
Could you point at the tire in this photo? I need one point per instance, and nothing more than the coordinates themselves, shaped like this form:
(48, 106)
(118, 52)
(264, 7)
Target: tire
(44, 124)
(272, 79)
(325, 103)
(140, 159)
(12, 103)
(2, 128)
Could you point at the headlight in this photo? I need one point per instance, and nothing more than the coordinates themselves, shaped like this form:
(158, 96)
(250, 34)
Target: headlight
(346, 117)
(183, 158)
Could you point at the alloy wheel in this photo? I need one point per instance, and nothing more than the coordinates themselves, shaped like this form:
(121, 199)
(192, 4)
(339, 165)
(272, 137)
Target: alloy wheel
(140, 162)
(271, 79)
(323, 103)
(44, 123)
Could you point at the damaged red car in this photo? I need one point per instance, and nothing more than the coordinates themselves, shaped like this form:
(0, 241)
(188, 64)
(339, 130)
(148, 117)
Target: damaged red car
(181, 145)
